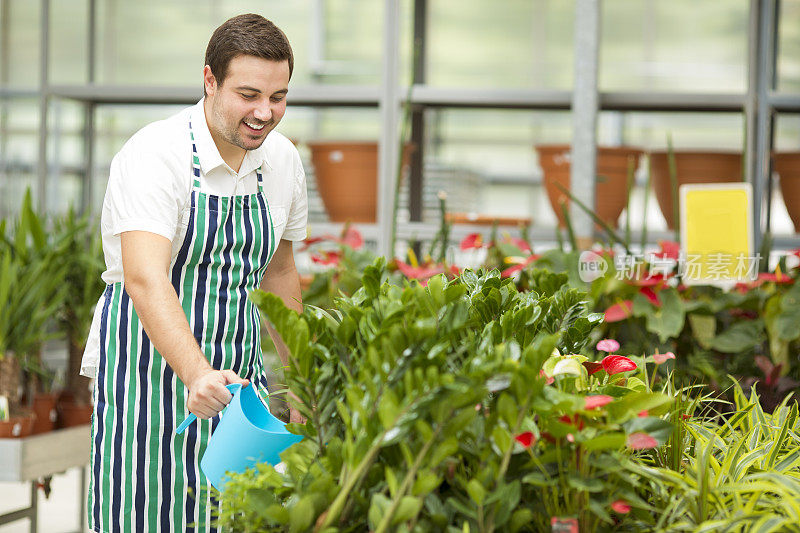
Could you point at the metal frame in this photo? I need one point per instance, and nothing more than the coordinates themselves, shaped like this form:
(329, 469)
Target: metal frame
(759, 104)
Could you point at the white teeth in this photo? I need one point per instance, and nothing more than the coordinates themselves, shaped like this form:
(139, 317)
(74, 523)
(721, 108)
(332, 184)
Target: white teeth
(255, 127)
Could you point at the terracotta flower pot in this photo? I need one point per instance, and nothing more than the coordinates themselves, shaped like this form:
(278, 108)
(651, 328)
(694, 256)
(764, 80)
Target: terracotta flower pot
(612, 178)
(17, 427)
(787, 165)
(691, 167)
(73, 413)
(347, 178)
(44, 407)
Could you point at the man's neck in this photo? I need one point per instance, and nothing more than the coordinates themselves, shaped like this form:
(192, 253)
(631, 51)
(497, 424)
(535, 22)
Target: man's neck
(231, 154)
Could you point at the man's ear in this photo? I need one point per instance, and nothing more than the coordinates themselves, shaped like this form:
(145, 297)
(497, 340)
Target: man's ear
(209, 81)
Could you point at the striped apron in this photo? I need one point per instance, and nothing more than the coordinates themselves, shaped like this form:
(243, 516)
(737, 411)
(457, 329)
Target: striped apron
(145, 477)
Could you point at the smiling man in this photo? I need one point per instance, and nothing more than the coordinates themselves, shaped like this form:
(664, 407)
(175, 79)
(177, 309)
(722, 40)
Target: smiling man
(200, 209)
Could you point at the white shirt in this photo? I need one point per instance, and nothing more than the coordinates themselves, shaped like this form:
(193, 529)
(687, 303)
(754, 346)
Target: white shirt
(150, 184)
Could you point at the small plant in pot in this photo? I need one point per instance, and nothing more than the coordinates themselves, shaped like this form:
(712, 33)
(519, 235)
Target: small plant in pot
(82, 253)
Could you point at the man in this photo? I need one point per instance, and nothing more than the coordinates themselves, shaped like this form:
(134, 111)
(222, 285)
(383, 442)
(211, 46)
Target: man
(200, 209)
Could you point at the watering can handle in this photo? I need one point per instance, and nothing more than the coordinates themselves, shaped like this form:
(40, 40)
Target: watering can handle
(233, 387)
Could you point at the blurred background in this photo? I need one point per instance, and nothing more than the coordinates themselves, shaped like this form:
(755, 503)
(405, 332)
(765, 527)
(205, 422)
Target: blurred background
(491, 81)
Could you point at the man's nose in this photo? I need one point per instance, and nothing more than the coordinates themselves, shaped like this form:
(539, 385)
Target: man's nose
(263, 112)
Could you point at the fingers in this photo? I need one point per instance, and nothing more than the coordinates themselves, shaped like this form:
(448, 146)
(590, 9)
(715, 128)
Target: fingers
(209, 395)
(233, 377)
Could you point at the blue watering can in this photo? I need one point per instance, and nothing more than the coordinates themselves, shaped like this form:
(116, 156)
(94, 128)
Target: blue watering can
(246, 435)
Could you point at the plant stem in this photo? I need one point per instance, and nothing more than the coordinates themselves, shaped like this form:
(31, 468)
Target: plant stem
(410, 475)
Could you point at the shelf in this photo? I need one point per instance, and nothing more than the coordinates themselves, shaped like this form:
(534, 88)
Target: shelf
(785, 102)
(365, 96)
(42, 455)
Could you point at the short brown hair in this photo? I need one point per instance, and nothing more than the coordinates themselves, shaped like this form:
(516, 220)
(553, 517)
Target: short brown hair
(248, 34)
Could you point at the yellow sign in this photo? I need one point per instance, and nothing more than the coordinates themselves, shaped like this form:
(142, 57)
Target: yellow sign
(717, 234)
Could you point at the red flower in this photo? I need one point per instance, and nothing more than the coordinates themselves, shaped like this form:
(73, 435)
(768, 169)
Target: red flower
(669, 250)
(522, 244)
(592, 367)
(326, 258)
(510, 271)
(650, 280)
(421, 272)
(621, 507)
(614, 364)
(574, 420)
(608, 345)
(550, 380)
(644, 413)
(650, 295)
(597, 400)
(775, 277)
(352, 238)
(473, 240)
(526, 439)
(619, 311)
(685, 416)
(641, 441)
(661, 358)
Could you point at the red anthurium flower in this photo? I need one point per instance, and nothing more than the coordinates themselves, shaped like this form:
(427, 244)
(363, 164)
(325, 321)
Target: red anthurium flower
(473, 240)
(421, 272)
(548, 437)
(326, 258)
(661, 358)
(455, 271)
(597, 400)
(669, 250)
(510, 271)
(608, 345)
(526, 439)
(352, 238)
(775, 277)
(644, 413)
(522, 244)
(614, 364)
(592, 366)
(650, 280)
(570, 437)
(619, 311)
(574, 420)
(641, 441)
(621, 507)
(650, 295)
(313, 240)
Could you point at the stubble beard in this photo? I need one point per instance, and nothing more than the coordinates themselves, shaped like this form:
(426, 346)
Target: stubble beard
(230, 132)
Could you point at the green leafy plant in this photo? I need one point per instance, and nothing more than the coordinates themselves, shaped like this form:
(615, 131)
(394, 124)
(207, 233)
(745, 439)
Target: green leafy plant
(450, 406)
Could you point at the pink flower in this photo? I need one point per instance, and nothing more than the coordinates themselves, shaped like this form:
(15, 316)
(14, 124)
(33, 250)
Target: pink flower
(522, 244)
(550, 380)
(608, 345)
(650, 280)
(661, 358)
(644, 413)
(641, 441)
(614, 364)
(526, 439)
(473, 240)
(669, 250)
(621, 507)
(597, 400)
(619, 311)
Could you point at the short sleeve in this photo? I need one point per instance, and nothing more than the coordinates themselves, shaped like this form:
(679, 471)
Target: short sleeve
(298, 212)
(142, 191)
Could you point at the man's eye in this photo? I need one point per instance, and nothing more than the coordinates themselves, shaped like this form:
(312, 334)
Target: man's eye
(277, 98)
(248, 96)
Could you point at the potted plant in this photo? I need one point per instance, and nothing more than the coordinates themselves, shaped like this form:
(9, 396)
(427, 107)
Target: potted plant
(615, 168)
(690, 167)
(82, 253)
(787, 166)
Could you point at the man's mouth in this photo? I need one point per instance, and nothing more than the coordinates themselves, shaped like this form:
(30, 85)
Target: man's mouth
(254, 126)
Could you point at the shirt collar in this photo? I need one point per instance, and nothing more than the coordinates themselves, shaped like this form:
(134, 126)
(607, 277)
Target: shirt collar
(207, 151)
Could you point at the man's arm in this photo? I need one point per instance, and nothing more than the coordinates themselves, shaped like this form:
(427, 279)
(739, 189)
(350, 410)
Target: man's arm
(145, 264)
(282, 280)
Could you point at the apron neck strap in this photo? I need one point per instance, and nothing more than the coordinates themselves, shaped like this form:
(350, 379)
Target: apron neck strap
(196, 166)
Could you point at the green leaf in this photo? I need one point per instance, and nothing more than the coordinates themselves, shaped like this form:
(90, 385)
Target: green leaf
(301, 514)
(476, 491)
(520, 518)
(606, 441)
(408, 508)
(704, 328)
(740, 337)
(507, 409)
(667, 321)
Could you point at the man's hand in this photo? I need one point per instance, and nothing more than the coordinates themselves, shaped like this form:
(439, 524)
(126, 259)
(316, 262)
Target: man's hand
(208, 394)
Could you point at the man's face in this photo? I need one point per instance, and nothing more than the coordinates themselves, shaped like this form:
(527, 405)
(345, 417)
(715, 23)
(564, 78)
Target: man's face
(250, 102)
